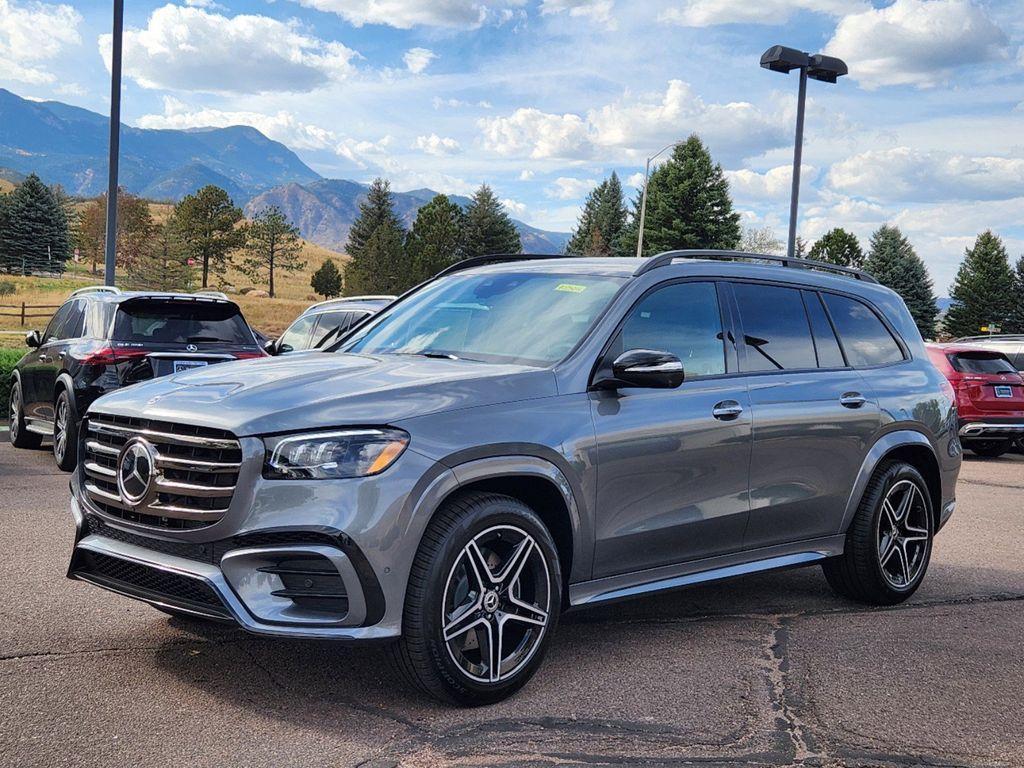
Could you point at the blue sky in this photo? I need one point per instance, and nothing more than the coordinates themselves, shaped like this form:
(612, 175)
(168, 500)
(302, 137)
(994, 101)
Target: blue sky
(543, 98)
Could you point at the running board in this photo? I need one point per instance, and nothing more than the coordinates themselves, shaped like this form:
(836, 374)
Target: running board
(647, 582)
(45, 429)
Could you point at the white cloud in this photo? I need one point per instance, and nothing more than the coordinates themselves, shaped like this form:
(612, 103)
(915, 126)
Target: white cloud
(536, 134)
(418, 59)
(190, 49)
(439, 146)
(636, 180)
(525, 175)
(405, 14)
(904, 173)
(706, 13)
(916, 42)
(773, 185)
(599, 11)
(514, 207)
(568, 188)
(32, 33)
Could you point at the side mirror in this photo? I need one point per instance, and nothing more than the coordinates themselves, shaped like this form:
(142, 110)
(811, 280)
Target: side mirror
(647, 368)
(270, 346)
(33, 339)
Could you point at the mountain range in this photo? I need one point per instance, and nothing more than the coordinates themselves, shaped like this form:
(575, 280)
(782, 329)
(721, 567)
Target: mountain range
(67, 145)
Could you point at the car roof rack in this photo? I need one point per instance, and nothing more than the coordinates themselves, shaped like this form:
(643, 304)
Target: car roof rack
(95, 289)
(994, 337)
(342, 299)
(666, 258)
(496, 258)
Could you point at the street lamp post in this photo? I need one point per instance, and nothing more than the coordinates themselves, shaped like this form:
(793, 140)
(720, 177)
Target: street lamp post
(643, 199)
(110, 250)
(827, 69)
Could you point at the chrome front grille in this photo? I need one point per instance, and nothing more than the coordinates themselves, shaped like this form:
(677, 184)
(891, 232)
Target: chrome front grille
(194, 471)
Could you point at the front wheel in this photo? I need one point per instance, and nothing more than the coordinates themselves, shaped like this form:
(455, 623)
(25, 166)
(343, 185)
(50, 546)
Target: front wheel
(65, 431)
(889, 543)
(482, 602)
(19, 434)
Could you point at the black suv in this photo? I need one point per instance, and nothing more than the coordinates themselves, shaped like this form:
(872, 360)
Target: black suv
(101, 339)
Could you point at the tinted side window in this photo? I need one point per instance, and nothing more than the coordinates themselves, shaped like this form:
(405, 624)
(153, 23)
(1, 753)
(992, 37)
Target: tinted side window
(75, 321)
(331, 327)
(52, 332)
(825, 342)
(683, 319)
(775, 328)
(297, 335)
(865, 339)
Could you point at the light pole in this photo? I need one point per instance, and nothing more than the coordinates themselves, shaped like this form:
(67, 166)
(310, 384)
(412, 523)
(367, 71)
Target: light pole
(827, 69)
(110, 250)
(643, 199)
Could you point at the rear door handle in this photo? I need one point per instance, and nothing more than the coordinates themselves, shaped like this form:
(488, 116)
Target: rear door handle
(727, 410)
(852, 400)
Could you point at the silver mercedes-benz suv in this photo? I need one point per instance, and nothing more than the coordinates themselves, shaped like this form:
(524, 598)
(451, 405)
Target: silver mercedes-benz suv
(524, 435)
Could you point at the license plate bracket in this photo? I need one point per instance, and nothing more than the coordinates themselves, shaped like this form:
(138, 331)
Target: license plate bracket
(1004, 390)
(187, 365)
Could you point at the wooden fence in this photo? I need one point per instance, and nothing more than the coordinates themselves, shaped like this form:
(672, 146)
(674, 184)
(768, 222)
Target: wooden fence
(27, 311)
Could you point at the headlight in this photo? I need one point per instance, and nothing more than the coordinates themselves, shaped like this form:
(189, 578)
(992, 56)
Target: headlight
(332, 455)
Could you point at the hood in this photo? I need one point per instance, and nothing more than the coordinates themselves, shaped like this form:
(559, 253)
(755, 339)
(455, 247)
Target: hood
(316, 390)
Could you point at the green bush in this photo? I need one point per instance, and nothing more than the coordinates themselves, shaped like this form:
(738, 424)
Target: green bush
(8, 359)
(7, 287)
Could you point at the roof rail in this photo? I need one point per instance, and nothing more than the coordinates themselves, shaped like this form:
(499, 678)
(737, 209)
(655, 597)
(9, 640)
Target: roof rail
(666, 258)
(342, 299)
(994, 336)
(95, 289)
(496, 258)
(210, 292)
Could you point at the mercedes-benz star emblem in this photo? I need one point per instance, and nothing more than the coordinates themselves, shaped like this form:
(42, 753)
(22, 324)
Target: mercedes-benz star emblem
(191, 348)
(135, 471)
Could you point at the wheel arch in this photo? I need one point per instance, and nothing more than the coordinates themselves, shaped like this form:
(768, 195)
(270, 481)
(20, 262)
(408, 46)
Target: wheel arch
(905, 445)
(64, 381)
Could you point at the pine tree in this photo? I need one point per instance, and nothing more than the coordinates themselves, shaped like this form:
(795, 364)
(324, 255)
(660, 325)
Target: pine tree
(837, 246)
(377, 210)
(601, 222)
(625, 243)
(35, 235)
(1015, 321)
(207, 225)
(162, 263)
(894, 263)
(134, 229)
(381, 267)
(5, 217)
(272, 244)
(327, 280)
(688, 203)
(435, 240)
(489, 229)
(982, 292)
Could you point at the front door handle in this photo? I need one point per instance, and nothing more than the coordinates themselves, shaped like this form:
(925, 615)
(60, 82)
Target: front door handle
(44, 358)
(852, 400)
(727, 410)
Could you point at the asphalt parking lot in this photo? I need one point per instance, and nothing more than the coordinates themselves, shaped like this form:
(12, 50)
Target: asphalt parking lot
(764, 670)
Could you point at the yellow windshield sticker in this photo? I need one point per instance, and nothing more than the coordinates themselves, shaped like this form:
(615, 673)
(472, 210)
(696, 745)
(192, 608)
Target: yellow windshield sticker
(570, 288)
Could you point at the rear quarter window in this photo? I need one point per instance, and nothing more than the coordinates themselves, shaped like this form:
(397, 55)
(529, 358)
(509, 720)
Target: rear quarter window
(180, 322)
(866, 340)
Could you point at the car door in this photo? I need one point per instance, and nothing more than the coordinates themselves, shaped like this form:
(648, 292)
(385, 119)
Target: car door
(42, 371)
(672, 463)
(814, 416)
(331, 326)
(297, 337)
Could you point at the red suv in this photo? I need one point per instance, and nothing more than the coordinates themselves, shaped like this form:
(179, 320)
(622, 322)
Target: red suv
(989, 396)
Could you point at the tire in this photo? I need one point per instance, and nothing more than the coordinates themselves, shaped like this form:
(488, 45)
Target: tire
(991, 450)
(877, 568)
(505, 542)
(19, 435)
(65, 431)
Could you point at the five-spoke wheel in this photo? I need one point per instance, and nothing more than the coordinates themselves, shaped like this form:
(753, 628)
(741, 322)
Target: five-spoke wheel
(903, 534)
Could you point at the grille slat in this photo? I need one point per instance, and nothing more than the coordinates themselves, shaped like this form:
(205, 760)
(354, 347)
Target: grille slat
(195, 471)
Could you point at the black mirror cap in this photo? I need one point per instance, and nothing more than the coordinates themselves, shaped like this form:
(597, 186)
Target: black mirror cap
(33, 339)
(648, 368)
(270, 346)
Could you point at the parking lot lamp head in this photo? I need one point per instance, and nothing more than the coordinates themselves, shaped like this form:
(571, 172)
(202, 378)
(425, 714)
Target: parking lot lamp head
(643, 197)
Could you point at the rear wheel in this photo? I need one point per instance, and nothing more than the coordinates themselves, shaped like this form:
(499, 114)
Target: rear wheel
(889, 543)
(482, 602)
(65, 431)
(991, 449)
(20, 436)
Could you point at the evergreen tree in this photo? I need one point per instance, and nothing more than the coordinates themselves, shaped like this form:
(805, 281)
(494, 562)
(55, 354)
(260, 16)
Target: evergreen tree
(688, 203)
(207, 225)
(35, 235)
(272, 243)
(894, 263)
(489, 229)
(1015, 321)
(602, 220)
(377, 210)
(435, 240)
(625, 243)
(5, 217)
(327, 280)
(162, 263)
(134, 229)
(837, 246)
(381, 267)
(982, 292)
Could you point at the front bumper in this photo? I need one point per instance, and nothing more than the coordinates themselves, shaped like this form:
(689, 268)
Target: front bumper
(234, 580)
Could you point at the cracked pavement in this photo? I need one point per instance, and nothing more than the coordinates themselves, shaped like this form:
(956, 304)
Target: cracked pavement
(768, 669)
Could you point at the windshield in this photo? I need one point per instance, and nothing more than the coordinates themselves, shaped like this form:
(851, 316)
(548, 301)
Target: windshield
(180, 322)
(519, 318)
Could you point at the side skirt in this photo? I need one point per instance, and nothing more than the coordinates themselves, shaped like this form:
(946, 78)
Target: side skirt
(639, 583)
(39, 427)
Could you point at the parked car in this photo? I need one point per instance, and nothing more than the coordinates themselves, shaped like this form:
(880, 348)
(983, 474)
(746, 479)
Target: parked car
(520, 436)
(989, 395)
(1011, 345)
(102, 339)
(325, 323)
